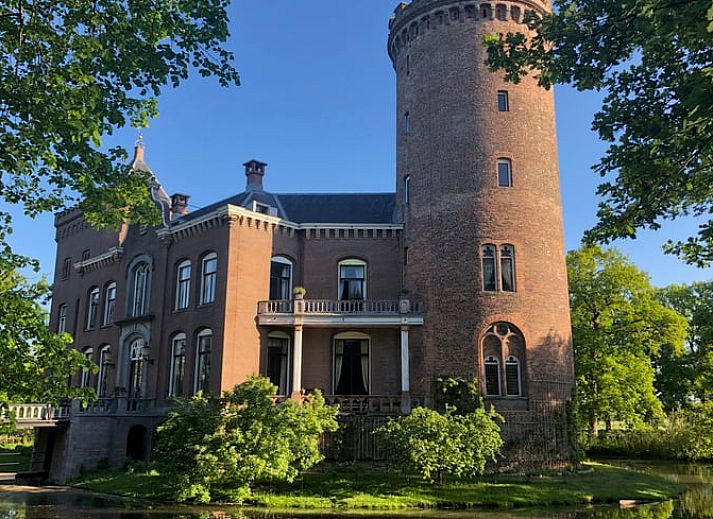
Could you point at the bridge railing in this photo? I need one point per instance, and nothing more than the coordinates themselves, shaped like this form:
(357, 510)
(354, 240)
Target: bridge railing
(39, 412)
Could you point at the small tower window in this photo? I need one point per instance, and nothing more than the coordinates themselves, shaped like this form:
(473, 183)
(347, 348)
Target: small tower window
(407, 123)
(507, 268)
(407, 185)
(66, 268)
(503, 101)
(405, 255)
(489, 270)
(408, 64)
(504, 173)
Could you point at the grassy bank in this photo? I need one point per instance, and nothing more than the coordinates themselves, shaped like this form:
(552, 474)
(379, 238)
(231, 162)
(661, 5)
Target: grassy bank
(346, 488)
(15, 458)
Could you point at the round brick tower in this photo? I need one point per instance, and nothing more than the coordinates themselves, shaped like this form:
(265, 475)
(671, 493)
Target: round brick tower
(478, 192)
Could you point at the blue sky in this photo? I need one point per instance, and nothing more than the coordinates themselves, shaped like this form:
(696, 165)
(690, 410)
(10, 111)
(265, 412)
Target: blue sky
(317, 103)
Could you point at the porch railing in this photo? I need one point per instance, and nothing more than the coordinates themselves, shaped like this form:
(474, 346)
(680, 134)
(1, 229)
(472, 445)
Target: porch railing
(370, 404)
(333, 306)
(39, 412)
(113, 405)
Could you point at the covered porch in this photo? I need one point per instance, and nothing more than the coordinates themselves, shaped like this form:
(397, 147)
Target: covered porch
(355, 352)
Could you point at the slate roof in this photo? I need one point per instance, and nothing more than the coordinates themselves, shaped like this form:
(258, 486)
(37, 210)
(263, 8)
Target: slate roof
(344, 208)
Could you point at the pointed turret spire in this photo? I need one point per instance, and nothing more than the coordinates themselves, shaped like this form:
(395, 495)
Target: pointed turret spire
(138, 164)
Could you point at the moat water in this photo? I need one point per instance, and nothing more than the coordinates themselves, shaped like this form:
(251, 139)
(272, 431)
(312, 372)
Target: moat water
(64, 503)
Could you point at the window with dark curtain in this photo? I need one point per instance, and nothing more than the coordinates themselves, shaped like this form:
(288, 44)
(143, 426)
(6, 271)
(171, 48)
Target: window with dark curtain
(352, 282)
(490, 283)
(277, 350)
(507, 268)
(492, 377)
(280, 279)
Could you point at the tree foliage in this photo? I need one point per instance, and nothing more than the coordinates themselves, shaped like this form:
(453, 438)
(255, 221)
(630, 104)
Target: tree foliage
(688, 376)
(654, 60)
(35, 364)
(71, 72)
(218, 448)
(433, 444)
(619, 328)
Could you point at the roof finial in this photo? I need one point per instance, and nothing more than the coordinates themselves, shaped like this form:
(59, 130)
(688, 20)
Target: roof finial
(140, 139)
(139, 151)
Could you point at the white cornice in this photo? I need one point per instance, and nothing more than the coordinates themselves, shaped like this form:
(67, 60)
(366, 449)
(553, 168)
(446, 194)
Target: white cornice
(109, 257)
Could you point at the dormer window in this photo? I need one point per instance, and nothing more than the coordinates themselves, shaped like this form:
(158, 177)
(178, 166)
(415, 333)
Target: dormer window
(264, 209)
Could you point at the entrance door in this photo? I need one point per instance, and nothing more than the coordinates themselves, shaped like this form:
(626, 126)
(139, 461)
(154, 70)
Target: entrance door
(136, 443)
(351, 367)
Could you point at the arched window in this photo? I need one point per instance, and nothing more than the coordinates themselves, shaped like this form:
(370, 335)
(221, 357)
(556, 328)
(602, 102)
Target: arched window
(137, 360)
(515, 14)
(492, 376)
(504, 173)
(89, 355)
(352, 280)
(178, 365)
(93, 308)
(503, 341)
(507, 268)
(490, 282)
(203, 352)
(109, 303)
(62, 319)
(183, 285)
(280, 278)
(486, 11)
(513, 379)
(140, 275)
(501, 12)
(351, 364)
(104, 365)
(407, 185)
(278, 351)
(209, 273)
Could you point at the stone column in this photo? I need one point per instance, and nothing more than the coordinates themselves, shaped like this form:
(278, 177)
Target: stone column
(297, 364)
(405, 377)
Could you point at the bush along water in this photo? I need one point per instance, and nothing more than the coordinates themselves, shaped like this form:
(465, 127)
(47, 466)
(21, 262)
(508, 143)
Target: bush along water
(217, 449)
(457, 441)
(683, 435)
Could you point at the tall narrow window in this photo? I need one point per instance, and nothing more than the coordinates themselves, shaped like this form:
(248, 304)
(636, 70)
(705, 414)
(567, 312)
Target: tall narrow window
(278, 347)
(280, 278)
(88, 354)
(407, 123)
(490, 282)
(405, 255)
(408, 64)
(62, 319)
(140, 290)
(351, 364)
(507, 268)
(136, 369)
(203, 350)
(93, 308)
(512, 376)
(352, 280)
(504, 173)
(66, 268)
(208, 278)
(86, 254)
(109, 304)
(407, 186)
(178, 365)
(104, 365)
(503, 101)
(492, 377)
(183, 285)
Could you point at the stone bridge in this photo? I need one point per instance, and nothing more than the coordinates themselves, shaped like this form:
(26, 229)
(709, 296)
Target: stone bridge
(29, 416)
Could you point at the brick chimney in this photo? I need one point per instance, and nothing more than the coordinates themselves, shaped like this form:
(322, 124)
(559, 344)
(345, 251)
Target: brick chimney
(254, 170)
(179, 205)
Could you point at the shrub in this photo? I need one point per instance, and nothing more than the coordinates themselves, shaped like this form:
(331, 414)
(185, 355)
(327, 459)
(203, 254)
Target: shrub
(218, 448)
(432, 444)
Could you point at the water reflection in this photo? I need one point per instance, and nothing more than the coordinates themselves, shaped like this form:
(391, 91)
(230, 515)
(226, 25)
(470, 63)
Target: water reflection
(59, 503)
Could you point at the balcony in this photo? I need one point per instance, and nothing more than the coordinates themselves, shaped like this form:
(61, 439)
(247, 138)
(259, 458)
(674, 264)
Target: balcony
(331, 312)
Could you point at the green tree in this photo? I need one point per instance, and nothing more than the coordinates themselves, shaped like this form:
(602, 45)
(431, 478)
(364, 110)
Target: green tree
(433, 444)
(653, 59)
(689, 376)
(73, 71)
(218, 448)
(35, 364)
(619, 327)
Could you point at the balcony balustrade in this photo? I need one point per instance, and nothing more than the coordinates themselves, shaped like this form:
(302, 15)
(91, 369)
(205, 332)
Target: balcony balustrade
(336, 307)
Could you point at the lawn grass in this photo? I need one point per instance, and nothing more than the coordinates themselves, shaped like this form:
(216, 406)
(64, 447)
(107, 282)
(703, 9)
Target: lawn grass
(15, 458)
(347, 488)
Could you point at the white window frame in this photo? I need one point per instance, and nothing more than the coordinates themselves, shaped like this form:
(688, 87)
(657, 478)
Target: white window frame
(86, 373)
(109, 304)
(494, 258)
(513, 270)
(504, 161)
(207, 332)
(512, 360)
(352, 262)
(205, 275)
(93, 308)
(104, 357)
(284, 261)
(288, 378)
(350, 336)
(492, 360)
(407, 192)
(503, 94)
(183, 286)
(62, 318)
(140, 305)
(175, 340)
